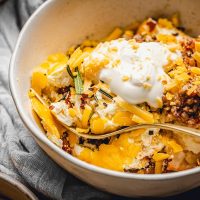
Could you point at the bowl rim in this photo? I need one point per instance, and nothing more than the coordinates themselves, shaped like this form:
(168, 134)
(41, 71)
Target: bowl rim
(38, 133)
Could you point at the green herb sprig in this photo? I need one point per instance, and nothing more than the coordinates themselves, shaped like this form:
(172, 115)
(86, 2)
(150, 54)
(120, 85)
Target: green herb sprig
(78, 82)
(70, 72)
(105, 93)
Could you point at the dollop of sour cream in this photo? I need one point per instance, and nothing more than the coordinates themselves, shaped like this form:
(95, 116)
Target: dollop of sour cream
(135, 71)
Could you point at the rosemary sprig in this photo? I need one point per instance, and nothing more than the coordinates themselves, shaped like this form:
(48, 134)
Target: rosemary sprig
(63, 98)
(95, 98)
(105, 93)
(78, 82)
(70, 72)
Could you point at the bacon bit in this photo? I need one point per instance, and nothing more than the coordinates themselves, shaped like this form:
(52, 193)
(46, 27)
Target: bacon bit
(51, 107)
(84, 98)
(82, 106)
(67, 149)
(63, 90)
(189, 44)
(67, 100)
(66, 146)
(152, 24)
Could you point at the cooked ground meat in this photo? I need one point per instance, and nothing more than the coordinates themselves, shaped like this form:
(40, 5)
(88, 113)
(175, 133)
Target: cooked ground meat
(188, 49)
(186, 109)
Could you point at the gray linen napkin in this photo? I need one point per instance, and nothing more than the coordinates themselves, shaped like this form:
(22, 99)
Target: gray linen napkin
(20, 156)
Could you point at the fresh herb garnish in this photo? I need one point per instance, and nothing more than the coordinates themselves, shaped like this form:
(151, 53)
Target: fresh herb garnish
(70, 72)
(78, 82)
(95, 98)
(63, 98)
(105, 93)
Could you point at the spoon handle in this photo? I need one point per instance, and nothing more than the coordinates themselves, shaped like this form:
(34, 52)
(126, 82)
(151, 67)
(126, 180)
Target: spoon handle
(180, 129)
(170, 127)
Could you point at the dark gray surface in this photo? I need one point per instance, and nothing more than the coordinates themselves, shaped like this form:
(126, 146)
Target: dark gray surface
(190, 195)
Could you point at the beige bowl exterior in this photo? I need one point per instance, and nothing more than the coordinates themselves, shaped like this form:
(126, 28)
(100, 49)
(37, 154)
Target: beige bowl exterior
(57, 25)
(13, 189)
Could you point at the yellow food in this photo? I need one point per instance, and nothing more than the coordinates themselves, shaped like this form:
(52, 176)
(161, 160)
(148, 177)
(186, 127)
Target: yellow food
(123, 119)
(117, 32)
(38, 81)
(48, 121)
(84, 89)
(98, 125)
(146, 116)
(86, 116)
(160, 156)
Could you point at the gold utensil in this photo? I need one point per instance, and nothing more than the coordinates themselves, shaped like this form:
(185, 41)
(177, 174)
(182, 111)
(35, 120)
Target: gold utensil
(165, 126)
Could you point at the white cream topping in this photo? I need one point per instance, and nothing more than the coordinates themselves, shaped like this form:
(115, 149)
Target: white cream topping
(135, 70)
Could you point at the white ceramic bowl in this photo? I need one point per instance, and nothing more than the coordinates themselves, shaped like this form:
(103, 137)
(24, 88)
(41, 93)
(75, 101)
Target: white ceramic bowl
(57, 25)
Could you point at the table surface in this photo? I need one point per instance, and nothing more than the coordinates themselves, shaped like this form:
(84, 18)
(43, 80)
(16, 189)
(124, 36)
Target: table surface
(192, 194)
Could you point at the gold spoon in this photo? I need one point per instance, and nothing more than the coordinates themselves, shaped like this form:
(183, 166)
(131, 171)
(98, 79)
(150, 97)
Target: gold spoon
(165, 126)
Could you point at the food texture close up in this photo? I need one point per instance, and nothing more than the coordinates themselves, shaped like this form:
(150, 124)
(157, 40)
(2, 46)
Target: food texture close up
(146, 72)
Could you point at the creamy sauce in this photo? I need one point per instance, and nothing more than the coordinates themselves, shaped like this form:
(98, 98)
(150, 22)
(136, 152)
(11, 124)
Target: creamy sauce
(135, 70)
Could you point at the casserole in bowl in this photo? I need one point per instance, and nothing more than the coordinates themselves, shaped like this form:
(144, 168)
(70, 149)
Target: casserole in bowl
(55, 27)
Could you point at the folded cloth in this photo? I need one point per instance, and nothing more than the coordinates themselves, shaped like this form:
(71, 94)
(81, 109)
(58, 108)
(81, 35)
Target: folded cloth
(20, 156)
